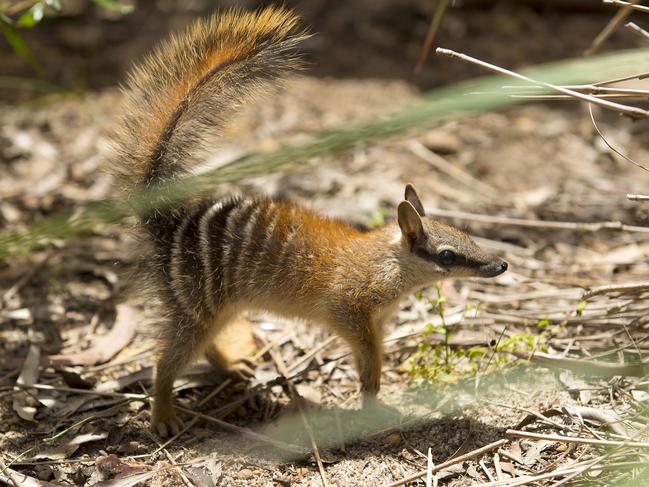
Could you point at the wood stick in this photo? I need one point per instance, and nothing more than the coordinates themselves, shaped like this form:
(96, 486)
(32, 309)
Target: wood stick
(523, 222)
(606, 32)
(430, 35)
(623, 78)
(574, 439)
(629, 5)
(637, 197)
(637, 29)
(633, 112)
(448, 463)
(616, 288)
(10, 473)
(91, 392)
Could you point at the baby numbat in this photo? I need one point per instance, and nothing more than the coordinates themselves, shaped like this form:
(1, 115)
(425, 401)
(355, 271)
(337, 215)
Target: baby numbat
(212, 258)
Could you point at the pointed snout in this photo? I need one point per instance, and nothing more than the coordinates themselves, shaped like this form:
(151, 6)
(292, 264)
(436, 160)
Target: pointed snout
(493, 268)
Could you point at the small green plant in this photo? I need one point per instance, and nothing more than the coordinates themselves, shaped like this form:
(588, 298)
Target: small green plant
(581, 307)
(25, 15)
(443, 364)
(378, 218)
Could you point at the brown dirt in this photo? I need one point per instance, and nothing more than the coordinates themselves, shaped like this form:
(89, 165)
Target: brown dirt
(541, 161)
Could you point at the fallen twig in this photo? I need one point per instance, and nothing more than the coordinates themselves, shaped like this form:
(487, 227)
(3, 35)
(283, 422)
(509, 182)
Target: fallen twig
(619, 153)
(574, 439)
(616, 288)
(637, 197)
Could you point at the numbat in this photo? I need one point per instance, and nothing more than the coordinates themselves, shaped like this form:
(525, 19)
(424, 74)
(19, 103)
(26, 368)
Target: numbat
(214, 258)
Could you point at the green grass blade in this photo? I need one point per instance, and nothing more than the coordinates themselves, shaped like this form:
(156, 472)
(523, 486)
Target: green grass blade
(436, 106)
(19, 45)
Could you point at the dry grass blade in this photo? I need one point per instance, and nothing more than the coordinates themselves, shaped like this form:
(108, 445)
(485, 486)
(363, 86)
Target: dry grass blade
(430, 35)
(599, 132)
(613, 24)
(633, 112)
(9, 473)
(630, 5)
(637, 197)
(429, 468)
(637, 29)
(523, 222)
(573, 439)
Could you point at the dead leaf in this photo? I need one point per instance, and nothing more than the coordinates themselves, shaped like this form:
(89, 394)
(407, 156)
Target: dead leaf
(65, 450)
(200, 477)
(509, 468)
(129, 481)
(108, 346)
(73, 379)
(309, 393)
(216, 469)
(24, 401)
(142, 375)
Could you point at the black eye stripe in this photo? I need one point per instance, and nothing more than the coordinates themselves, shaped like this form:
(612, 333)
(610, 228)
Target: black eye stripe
(460, 260)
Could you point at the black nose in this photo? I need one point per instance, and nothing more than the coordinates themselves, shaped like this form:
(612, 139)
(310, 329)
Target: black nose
(503, 266)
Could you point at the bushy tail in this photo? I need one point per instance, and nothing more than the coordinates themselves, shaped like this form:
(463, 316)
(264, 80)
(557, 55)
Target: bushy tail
(180, 96)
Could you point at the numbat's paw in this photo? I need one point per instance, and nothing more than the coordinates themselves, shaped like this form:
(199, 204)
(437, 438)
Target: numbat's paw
(165, 424)
(372, 405)
(240, 371)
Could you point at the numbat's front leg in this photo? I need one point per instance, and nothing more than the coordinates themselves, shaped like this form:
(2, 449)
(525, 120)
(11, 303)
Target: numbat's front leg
(365, 340)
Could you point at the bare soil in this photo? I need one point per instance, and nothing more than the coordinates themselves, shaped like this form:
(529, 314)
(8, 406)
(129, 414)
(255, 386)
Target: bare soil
(533, 162)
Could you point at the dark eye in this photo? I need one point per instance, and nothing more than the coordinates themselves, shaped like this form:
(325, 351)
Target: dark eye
(446, 257)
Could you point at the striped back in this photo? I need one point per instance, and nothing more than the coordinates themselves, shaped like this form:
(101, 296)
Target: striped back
(238, 249)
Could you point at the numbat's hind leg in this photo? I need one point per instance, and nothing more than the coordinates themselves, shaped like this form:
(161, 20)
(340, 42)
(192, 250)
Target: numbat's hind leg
(240, 370)
(179, 345)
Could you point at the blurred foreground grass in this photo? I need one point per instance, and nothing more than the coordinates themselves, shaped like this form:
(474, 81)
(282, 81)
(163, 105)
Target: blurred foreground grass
(442, 104)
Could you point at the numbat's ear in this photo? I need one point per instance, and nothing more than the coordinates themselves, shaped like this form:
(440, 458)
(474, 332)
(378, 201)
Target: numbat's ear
(409, 222)
(413, 198)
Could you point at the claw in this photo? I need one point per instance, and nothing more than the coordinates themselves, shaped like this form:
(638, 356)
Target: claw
(166, 425)
(243, 370)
